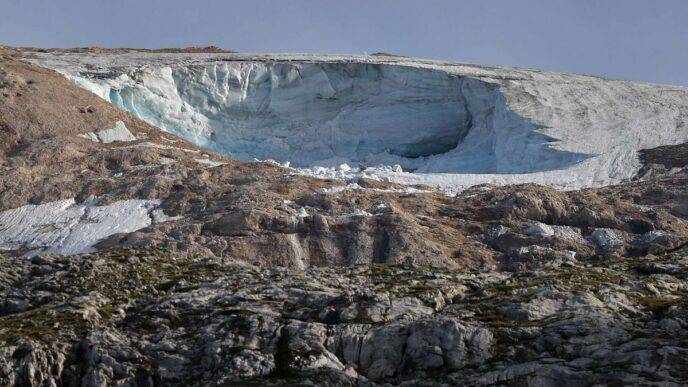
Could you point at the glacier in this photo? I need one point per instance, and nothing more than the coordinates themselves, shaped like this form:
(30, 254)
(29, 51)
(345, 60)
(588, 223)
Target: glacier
(448, 125)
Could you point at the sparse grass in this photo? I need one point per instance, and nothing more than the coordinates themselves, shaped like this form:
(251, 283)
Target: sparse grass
(41, 324)
(658, 305)
(154, 271)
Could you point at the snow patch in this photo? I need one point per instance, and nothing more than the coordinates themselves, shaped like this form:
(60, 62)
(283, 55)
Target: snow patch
(148, 144)
(209, 162)
(355, 186)
(357, 213)
(64, 227)
(118, 133)
(339, 189)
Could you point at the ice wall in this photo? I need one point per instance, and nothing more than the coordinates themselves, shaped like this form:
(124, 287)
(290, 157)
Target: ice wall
(304, 113)
(452, 125)
(329, 113)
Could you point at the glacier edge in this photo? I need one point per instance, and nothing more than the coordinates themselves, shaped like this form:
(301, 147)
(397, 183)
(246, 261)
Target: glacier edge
(451, 125)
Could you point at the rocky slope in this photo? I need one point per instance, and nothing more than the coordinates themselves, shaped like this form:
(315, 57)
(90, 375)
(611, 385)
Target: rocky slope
(148, 317)
(194, 268)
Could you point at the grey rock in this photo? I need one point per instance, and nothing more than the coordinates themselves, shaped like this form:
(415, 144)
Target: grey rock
(539, 230)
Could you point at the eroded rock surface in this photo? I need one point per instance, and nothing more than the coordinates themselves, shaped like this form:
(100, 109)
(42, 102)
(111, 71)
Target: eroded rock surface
(148, 316)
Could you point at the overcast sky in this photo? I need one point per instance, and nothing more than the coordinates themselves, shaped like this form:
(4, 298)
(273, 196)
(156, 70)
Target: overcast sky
(630, 39)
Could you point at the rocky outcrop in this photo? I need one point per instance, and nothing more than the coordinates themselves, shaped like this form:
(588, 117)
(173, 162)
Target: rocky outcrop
(148, 317)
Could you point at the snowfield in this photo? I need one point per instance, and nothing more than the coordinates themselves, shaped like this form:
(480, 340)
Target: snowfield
(64, 227)
(445, 124)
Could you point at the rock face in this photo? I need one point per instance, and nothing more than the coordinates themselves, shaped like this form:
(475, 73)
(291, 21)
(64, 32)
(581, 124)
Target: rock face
(143, 317)
(193, 268)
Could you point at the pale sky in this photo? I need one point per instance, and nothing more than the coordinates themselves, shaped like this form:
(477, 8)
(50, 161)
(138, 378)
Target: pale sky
(629, 39)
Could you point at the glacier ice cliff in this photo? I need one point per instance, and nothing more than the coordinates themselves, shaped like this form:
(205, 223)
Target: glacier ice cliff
(450, 125)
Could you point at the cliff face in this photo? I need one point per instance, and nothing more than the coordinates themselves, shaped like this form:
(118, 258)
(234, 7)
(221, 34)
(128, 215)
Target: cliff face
(132, 256)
